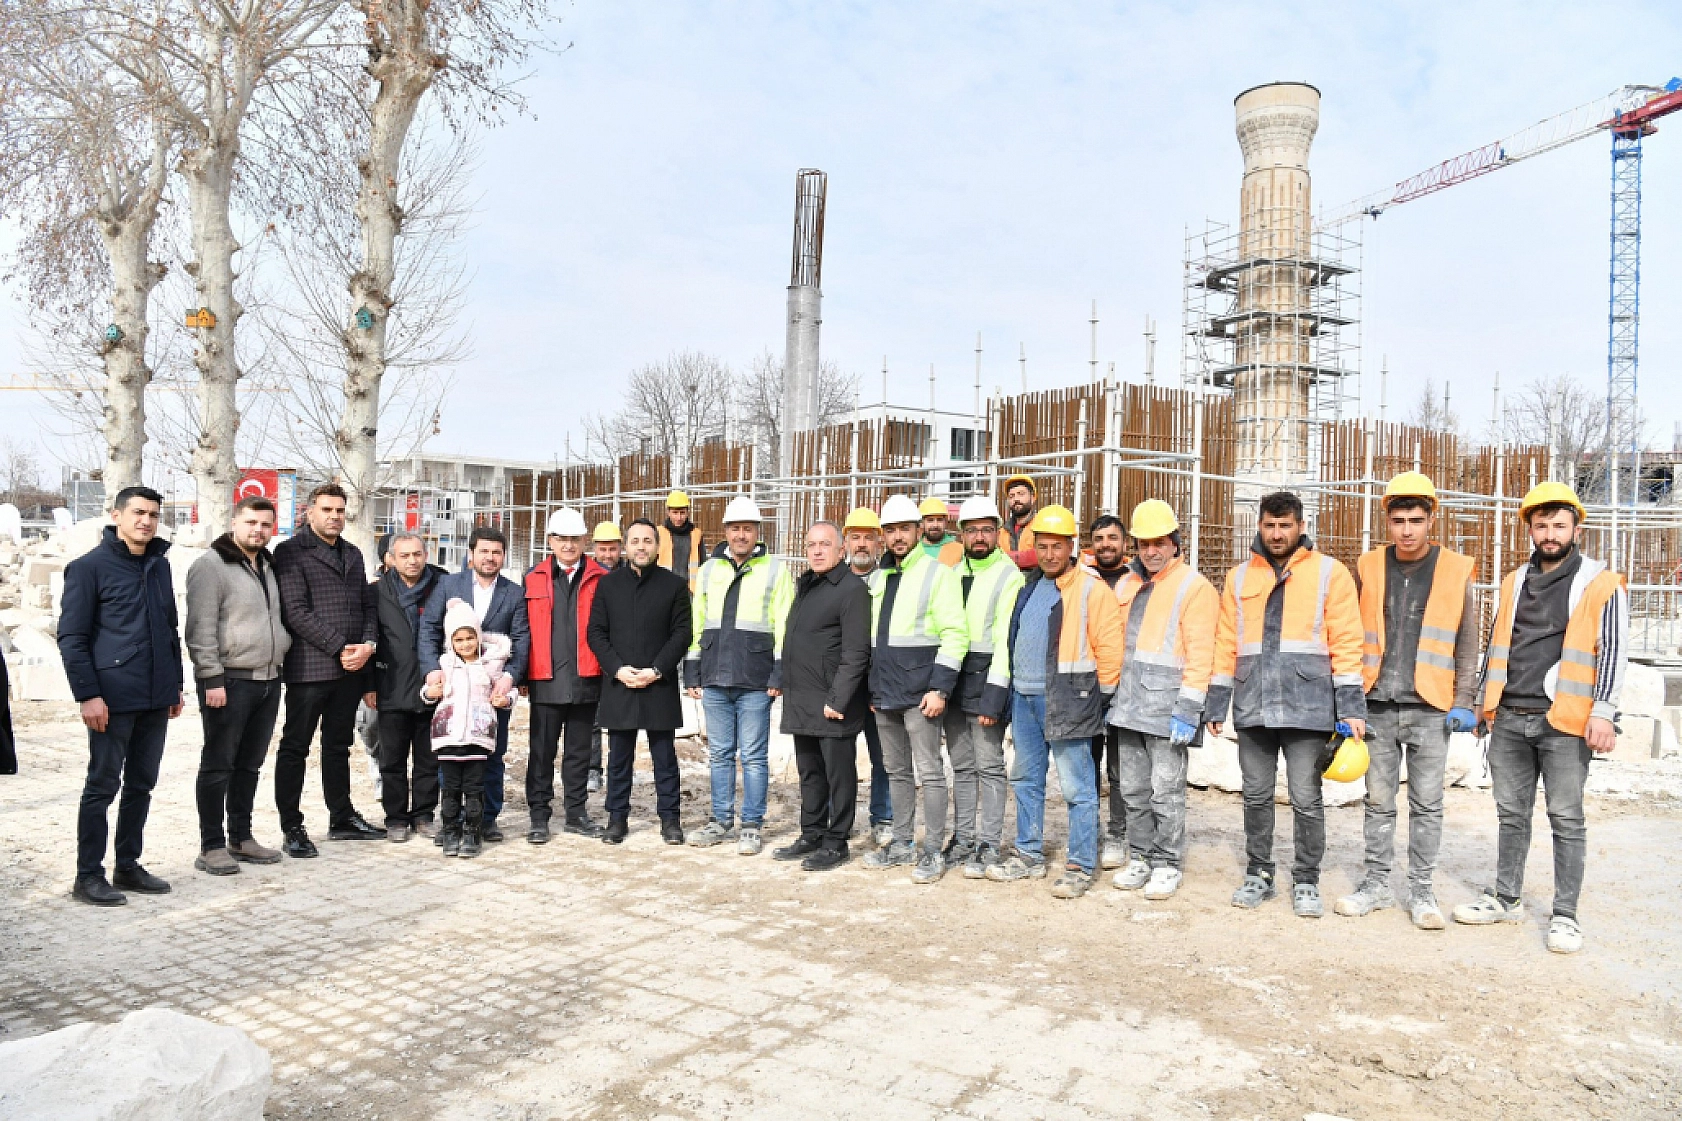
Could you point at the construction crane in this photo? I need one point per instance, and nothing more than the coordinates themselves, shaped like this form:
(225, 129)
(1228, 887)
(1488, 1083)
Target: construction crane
(1628, 115)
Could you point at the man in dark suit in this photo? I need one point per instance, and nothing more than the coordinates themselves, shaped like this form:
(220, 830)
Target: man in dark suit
(328, 605)
(639, 630)
(500, 606)
(405, 719)
(117, 634)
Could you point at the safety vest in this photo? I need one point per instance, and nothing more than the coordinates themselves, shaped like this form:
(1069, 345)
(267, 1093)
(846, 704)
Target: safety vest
(949, 552)
(1573, 683)
(665, 558)
(928, 608)
(762, 605)
(1085, 641)
(1168, 659)
(994, 582)
(1433, 668)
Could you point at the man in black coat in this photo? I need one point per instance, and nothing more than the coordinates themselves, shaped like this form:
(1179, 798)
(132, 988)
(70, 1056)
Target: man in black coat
(405, 720)
(330, 608)
(826, 659)
(118, 636)
(639, 631)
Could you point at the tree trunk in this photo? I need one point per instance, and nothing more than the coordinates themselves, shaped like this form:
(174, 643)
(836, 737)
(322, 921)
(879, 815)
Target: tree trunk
(208, 171)
(126, 374)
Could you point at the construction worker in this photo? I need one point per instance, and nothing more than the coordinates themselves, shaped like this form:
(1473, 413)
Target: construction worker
(1552, 677)
(937, 543)
(918, 643)
(608, 545)
(741, 600)
(681, 547)
(1168, 613)
(1065, 659)
(1108, 561)
(862, 538)
(1419, 665)
(975, 720)
(1018, 539)
(1288, 664)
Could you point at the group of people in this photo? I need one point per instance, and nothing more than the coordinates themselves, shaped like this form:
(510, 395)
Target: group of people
(1118, 658)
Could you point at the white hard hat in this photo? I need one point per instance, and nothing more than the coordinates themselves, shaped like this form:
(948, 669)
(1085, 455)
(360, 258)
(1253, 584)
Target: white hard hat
(898, 509)
(567, 522)
(742, 509)
(977, 509)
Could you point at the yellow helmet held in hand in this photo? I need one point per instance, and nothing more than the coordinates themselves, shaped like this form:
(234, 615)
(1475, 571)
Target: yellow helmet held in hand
(1410, 484)
(1056, 521)
(677, 500)
(934, 508)
(862, 517)
(607, 531)
(1348, 758)
(1547, 494)
(1153, 518)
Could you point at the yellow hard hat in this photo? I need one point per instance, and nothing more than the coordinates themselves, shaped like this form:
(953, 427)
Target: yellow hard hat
(607, 531)
(1153, 518)
(933, 508)
(1056, 521)
(677, 500)
(1546, 494)
(1349, 759)
(862, 518)
(1410, 484)
(1024, 480)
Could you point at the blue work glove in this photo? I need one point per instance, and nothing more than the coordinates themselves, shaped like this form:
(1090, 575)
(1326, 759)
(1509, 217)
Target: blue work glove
(1343, 729)
(1460, 720)
(1180, 734)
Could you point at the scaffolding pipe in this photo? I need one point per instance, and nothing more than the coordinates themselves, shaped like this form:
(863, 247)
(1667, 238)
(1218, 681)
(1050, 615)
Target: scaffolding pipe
(1080, 462)
(1196, 517)
(1367, 485)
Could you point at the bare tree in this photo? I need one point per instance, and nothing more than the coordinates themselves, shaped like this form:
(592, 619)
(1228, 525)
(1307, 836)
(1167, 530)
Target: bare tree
(1433, 410)
(1569, 417)
(761, 402)
(670, 407)
(20, 470)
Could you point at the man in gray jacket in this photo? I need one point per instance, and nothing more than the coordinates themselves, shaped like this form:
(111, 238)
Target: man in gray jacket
(237, 642)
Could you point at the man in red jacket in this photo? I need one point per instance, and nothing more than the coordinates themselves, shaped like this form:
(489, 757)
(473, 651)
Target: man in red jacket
(563, 678)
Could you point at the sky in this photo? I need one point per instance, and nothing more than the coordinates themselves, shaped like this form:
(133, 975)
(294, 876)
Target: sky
(997, 167)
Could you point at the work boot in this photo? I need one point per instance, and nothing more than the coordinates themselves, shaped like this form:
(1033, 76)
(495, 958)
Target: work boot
(450, 838)
(618, 827)
(958, 852)
(472, 841)
(1488, 909)
(882, 834)
(1072, 884)
(1564, 935)
(1113, 854)
(799, 850)
(1017, 866)
(1305, 901)
(538, 834)
(824, 859)
(1253, 892)
(423, 827)
(1372, 895)
(749, 842)
(710, 834)
(95, 890)
(218, 862)
(893, 855)
(298, 844)
(354, 828)
(489, 832)
(249, 851)
(929, 868)
(1423, 910)
(438, 837)
(138, 879)
(1133, 877)
(671, 830)
(984, 857)
(397, 834)
(1163, 884)
(583, 826)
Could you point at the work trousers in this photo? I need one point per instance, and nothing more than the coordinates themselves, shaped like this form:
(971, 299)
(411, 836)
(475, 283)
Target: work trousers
(1523, 747)
(1258, 760)
(881, 805)
(331, 705)
(829, 788)
(911, 749)
(570, 730)
(408, 768)
(1030, 767)
(463, 786)
(1106, 761)
(1152, 781)
(126, 757)
(979, 779)
(621, 760)
(1417, 733)
(236, 741)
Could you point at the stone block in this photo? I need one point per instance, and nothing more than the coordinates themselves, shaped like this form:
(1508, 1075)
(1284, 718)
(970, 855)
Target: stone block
(40, 672)
(38, 571)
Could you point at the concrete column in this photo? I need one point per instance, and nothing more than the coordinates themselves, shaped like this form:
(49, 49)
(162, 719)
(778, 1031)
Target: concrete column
(800, 366)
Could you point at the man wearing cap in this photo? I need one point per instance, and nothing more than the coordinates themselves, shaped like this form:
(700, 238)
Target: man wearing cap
(1065, 660)
(862, 535)
(681, 547)
(1168, 615)
(1018, 540)
(1108, 562)
(936, 542)
(741, 601)
(1552, 678)
(564, 679)
(918, 642)
(1419, 664)
(975, 720)
(607, 545)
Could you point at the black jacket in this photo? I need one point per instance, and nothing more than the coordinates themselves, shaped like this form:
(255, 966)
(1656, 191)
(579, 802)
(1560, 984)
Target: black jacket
(642, 621)
(326, 602)
(118, 631)
(506, 615)
(826, 655)
(399, 677)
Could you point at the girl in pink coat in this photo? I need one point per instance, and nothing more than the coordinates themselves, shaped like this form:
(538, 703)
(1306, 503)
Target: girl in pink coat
(464, 724)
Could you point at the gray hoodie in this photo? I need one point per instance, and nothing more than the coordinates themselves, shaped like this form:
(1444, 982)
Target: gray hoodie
(234, 627)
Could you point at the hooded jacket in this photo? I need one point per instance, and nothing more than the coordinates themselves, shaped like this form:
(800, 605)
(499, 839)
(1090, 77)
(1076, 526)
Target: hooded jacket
(989, 604)
(117, 627)
(1082, 652)
(464, 725)
(918, 644)
(1168, 647)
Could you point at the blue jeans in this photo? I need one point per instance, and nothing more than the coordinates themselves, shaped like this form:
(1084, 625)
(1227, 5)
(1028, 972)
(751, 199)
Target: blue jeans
(1028, 770)
(881, 802)
(738, 723)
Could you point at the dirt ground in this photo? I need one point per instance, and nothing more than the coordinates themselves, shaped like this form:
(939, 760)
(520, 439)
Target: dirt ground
(580, 980)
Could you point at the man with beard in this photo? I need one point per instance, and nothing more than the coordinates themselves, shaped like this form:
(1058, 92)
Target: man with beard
(936, 542)
(1552, 677)
(1109, 563)
(681, 547)
(863, 541)
(1018, 540)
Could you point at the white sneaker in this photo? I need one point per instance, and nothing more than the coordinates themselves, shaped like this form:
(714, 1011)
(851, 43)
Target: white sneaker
(1113, 854)
(882, 833)
(1564, 935)
(749, 843)
(1164, 883)
(1133, 877)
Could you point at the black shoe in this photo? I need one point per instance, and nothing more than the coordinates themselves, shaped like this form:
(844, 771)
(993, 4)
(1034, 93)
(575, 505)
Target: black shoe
(825, 859)
(438, 834)
(138, 879)
(472, 841)
(450, 838)
(617, 827)
(671, 831)
(353, 828)
(538, 834)
(94, 889)
(583, 826)
(298, 844)
(489, 833)
(800, 849)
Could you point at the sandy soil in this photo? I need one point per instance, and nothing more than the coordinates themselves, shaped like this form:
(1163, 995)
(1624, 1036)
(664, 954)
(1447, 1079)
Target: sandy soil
(584, 981)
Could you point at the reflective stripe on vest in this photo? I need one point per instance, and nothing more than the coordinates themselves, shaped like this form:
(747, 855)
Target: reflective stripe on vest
(1433, 667)
(1168, 654)
(983, 643)
(715, 594)
(1083, 662)
(1573, 695)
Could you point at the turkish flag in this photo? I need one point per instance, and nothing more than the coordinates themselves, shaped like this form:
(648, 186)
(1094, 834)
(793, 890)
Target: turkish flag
(411, 513)
(257, 481)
